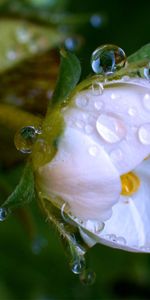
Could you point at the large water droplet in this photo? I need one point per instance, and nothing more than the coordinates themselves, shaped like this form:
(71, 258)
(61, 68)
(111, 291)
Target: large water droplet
(107, 59)
(144, 134)
(78, 265)
(25, 138)
(146, 101)
(3, 214)
(87, 277)
(110, 128)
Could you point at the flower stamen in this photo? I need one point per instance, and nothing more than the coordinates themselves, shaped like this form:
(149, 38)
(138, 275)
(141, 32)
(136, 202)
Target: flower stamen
(130, 184)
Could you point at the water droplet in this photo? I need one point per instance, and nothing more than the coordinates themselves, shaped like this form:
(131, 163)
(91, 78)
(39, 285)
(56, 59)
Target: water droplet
(144, 134)
(81, 101)
(97, 88)
(121, 240)
(110, 128)
(132, 111)
(116, 155)
(96, 20)
(94, 226)
(80, 124)
(144, 72)
(88, 129)
(111, 237)
(25, 138)
(107, 59)
(125, 78)
(3, 214)
(93, 151)
(87, 277)
(98, 105)
(146, 101)
(78, 265)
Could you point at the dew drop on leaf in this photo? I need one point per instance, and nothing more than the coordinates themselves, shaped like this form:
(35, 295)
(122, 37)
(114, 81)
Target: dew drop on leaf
(87, 277)
(107, 59)
(25, 138)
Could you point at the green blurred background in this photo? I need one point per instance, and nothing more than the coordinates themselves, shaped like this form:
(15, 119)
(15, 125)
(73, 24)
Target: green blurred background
(33, 264)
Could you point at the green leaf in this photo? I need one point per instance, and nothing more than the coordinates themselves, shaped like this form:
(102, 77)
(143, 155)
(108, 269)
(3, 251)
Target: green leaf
(142, 54)
(21, 40)
(24, 192)
(69, 75)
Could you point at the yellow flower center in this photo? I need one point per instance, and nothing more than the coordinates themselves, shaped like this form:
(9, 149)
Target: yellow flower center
(130, 184)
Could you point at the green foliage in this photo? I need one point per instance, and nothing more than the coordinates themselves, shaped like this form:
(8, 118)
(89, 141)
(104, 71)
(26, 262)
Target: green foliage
(69, 75)
(143, 54)
(22, 40)
(24, 192)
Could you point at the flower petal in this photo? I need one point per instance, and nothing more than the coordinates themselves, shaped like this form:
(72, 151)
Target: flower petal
(129, 226)
(118, 119)
(83, 175)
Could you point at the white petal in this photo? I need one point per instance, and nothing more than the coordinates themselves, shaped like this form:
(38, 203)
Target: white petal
(118, 119)
(129, 226)
(83, 175)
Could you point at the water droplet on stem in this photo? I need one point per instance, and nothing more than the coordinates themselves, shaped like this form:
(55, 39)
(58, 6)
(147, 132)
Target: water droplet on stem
(78, 265)
(25, 138)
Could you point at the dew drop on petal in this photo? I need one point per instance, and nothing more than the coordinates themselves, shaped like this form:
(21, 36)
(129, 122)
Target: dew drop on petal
(146, 101)
(87, 277)
(88, 129)
(116, 155)
(121, 240)
(132, 111)
(93, 151)
(144, 134)
(81, 102)
(110, 128)
(3, 214)
(25, 138)
(97, 88)
(98, 105)
(106, 59)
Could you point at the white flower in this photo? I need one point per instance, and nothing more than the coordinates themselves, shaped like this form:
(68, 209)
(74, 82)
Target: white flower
(101, 169)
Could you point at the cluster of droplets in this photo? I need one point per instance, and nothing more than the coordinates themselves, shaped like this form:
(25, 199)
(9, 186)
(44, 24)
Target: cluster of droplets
(25, 138)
